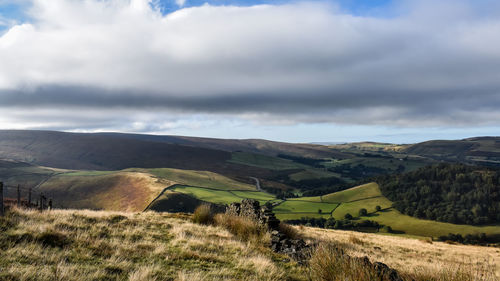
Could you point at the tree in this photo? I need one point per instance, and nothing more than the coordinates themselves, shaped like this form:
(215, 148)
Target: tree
(348, 216)
(378, 208)
(363, 212)
(330, 223)
(320, 211)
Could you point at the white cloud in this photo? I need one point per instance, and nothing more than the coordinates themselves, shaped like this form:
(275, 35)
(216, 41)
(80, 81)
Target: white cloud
(295, 60)
(180, 3)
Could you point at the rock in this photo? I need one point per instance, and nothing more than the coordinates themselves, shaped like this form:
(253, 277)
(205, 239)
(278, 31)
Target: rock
(386, 272)
(296, 249)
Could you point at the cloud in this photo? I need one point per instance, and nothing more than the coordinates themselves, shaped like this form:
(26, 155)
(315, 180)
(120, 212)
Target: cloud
(437, 63)
(180, 3)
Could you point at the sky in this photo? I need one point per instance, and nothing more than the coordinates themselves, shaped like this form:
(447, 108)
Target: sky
(299, 71)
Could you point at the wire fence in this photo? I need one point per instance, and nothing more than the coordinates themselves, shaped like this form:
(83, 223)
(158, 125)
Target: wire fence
(24, 197)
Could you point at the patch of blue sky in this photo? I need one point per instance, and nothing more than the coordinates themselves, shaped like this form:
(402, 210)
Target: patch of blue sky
(380, 8)
(12, 12)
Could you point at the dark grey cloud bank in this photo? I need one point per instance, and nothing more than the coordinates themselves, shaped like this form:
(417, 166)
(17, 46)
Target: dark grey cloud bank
(435, 64)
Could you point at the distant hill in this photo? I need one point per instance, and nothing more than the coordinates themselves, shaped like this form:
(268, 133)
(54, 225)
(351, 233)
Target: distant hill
(101, 152)
(261, 146)
(479, 150)
(113, 151)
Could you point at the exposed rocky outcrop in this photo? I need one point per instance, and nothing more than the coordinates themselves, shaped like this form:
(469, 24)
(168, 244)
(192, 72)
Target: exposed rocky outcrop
(280, 242)
(298, 249)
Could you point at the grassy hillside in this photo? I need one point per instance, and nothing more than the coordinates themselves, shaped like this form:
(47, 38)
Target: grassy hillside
(197, 178)
(298, 208)
(86, 245)
(89, 245)
(259, 146)
(102, 152)
(222, 196)
(118, 191)
(423, 257)
(353, 194)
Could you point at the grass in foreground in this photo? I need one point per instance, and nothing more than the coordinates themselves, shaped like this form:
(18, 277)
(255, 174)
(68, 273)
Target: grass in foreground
(414, 258)
(88, 245)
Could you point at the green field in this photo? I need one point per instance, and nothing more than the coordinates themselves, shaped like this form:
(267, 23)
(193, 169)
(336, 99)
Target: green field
(364, 191)
(298, 209)
(427, 228)
(353, 207)
(222, 196)
(368, 196)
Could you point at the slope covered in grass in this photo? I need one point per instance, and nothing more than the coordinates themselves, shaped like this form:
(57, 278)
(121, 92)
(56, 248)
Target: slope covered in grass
(198, 178)
(420, 258)
(223, 196)
(297, 209)
(118, 191)
(88, 245)
(356, 193)
(98, 245)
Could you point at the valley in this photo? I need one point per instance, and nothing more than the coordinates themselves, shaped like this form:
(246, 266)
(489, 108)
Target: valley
(297, 186)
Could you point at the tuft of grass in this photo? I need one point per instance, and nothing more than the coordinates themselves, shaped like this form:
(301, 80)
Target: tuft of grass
(117, 218)
(244, 228)
(289, 231)
(203, 214)
(53, 239)
(6, 224)
(330, 263)
(355, 240)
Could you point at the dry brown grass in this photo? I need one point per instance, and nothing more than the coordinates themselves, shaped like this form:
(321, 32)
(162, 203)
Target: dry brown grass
(242, 227)
(355, 240)
(117, 191)
(90, 245)
(203, 214)
(289, 231)
(130, 246)
(329, 263)
(415, 257)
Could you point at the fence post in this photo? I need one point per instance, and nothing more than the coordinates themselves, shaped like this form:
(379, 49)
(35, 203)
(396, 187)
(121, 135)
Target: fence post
(18, 196)
(1, 199)
(29, 198)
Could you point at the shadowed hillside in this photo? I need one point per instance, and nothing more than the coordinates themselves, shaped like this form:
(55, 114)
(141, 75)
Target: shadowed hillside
(246, 145)
(101, 152)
